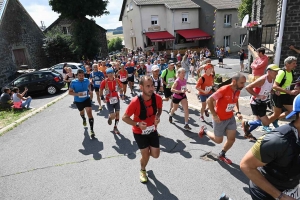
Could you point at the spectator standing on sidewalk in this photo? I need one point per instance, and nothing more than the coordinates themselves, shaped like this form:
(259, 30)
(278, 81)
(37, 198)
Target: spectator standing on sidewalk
(242, 58)
(259, 65)
(185, 64)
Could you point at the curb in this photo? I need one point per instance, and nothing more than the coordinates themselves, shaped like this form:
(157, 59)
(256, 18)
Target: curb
(35, 111)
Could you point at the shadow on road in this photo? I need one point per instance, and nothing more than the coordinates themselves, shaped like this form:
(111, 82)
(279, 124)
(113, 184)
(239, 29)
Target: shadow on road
(158, 189)
(235, 171)
(125, 147)
(172, 146)
(45, 95)
(91, 146)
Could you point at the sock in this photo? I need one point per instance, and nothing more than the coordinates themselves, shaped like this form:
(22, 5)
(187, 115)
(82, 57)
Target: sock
(186, 123)
(116, 122)
(222, 153)
(254, 125)
(83, 117)
(91, 122)
(143, 170)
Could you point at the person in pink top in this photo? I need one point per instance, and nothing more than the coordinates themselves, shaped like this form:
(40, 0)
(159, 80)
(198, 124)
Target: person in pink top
(260, 64)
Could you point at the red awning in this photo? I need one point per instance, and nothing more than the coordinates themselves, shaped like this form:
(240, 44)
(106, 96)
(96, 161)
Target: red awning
(160, 36)
(193, 34)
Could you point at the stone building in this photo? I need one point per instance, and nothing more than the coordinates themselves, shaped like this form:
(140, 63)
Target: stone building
(21, 40)
(67, 26)
(269, 12)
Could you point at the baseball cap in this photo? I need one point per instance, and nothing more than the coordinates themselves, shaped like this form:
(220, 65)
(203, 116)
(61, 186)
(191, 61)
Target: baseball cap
(208, 66)
(154, 68)
(129, 58)
(109, 70)
(273, 67)
(171, 62)
(296, 107)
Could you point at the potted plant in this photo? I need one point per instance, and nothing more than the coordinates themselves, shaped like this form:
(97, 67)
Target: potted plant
(252, 26)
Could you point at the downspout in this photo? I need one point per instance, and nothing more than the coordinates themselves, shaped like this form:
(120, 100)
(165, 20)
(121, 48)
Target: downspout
(142, 27)
(281, 29)
(173, 25)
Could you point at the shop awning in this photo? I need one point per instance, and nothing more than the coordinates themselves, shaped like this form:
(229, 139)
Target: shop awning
(160, 36)
(193, 34)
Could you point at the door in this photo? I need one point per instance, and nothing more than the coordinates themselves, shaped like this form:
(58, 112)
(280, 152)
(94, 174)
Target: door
(38, 82)
(20, 57)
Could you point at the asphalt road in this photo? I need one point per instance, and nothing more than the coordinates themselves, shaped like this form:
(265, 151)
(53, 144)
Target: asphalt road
(40, 99)
(50, 156)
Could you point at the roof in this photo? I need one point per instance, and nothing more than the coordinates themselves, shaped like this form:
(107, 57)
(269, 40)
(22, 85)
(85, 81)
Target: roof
(171, 4)
(224, 4)
(3, 4)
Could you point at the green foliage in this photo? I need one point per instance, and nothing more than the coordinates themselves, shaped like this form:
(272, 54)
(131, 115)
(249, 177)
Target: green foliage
(57, 46)
(244, 9)
(115, 44)
(78, 9)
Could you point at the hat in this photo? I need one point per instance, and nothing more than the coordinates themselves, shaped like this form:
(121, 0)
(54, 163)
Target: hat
(296, 107)
(171, 62)
(208, 66)
(99, 61)
(122, 65)
(129, 58)
(141, 62)
(273, 67)
(109, 70)
(154, 68)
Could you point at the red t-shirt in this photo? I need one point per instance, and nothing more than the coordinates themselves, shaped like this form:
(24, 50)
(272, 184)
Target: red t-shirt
(134, 109)
(226, 99)
(207, 85)
(111, 84)
(123, 75)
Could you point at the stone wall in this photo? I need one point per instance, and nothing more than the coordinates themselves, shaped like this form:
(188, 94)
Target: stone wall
(18, 30)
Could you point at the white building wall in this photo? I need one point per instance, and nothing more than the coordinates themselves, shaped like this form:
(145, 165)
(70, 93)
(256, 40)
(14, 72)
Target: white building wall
(192, 19)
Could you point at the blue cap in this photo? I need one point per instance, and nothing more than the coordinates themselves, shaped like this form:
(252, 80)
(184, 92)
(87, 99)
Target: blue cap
(296, 107)
(109, 70)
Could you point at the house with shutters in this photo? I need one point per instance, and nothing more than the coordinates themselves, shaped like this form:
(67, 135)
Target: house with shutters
(21, 40)
(162, 24)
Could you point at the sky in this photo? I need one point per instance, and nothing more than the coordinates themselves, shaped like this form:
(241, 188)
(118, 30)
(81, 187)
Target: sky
(40, 10)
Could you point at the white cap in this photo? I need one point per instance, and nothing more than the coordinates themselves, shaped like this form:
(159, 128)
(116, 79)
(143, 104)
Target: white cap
(154, 68)
(129, 58)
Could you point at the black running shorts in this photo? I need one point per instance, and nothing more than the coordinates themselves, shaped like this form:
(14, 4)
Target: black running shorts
(145, 141)
(177, 101)
(85, 104)
(167, 92)
(259, 109)
(283, 99)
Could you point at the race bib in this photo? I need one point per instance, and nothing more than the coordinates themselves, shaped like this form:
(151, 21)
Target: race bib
(230, 107)
(155, 84)
(266, 93)
(97, 78)
(183, 87)
(83, 94)
(123, 79)
(148, 130)
(208, 88)
(170, 80)
(97, 82)
(113, 100)
(129, 75)
(70, 79)
(295, 193)
(288, 88)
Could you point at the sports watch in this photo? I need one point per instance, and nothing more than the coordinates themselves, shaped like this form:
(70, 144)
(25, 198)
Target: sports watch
(137, 124)
(278, 198)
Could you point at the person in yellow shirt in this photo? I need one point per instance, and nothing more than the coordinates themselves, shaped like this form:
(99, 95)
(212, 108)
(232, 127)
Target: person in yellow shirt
(102, 67)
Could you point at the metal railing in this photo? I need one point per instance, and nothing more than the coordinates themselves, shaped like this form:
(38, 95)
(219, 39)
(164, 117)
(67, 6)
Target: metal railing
(263, 37)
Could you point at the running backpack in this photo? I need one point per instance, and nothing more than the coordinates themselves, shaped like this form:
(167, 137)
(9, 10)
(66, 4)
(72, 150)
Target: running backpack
(165, 77)
(143, 109)
(284, 78)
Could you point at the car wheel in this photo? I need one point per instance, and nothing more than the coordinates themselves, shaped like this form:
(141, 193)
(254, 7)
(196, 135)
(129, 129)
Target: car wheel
(51, 89)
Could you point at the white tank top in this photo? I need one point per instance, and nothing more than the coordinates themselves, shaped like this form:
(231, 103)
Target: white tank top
(264, 90)
(15, 98)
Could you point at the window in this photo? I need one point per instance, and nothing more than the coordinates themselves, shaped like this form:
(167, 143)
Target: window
(66, 30)
(226, 40)
(59, 66)
(227, 20)
(185, 17)
(154, 20)
(21, 80)
(130, 6)
(37, 76)
(242, 39)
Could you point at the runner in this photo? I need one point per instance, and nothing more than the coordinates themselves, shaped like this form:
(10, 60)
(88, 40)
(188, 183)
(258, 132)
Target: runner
(149, 67)
(69, 76)
(141, 70)
(225, 99)
(204, 86)
(111, 86)
(146, 109)
(130, 73)
(179, 89)
(168, 76)
(260, 90)
(96, 78)
(123, 74)
(80, 88)
(272, 164)
(158, 84)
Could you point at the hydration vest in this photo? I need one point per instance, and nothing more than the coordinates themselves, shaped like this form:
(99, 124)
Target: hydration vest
(143, 109)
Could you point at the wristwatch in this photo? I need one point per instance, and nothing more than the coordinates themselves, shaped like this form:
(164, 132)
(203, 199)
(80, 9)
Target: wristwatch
(137, 124)
(278, 198)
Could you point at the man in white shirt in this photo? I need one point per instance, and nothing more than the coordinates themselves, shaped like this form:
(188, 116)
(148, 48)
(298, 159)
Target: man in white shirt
(149, 68)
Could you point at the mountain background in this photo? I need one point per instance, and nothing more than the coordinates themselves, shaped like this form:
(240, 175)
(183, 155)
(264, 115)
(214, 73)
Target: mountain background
(118, 30)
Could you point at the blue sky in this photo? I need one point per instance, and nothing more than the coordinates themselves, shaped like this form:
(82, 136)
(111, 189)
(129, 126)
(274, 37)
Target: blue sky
(41, 11)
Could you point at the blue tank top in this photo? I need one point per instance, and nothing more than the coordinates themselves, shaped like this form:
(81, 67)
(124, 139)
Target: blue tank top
(97, 78)
(81, 86)
(130, 70)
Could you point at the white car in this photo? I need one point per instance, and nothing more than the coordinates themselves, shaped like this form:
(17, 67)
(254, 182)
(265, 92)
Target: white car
(59, 67)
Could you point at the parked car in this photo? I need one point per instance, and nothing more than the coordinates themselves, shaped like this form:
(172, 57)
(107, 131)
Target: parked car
(48, 81)
(59, 67)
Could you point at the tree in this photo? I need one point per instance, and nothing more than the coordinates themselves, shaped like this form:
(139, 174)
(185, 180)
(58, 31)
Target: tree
(115, 44)
(111, 45)
(78, 9)
(244, 9)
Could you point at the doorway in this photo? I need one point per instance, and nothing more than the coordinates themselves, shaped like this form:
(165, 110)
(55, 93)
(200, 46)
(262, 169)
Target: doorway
(20, 57)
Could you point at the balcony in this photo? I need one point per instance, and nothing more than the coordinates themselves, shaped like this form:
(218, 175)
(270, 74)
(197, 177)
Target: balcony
(263, 37)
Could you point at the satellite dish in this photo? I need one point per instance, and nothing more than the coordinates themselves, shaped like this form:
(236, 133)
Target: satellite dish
(245, 21)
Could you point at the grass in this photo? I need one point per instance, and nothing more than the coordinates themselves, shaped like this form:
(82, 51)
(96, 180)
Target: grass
(110, 36)
(9, 116)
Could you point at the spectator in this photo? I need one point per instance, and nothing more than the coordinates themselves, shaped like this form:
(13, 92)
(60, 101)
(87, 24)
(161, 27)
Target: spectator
(172, 55)
(185, 65)
(178, 56)
(242, 58)
(5, 99)
(293, 48)
(259, 65)
(19, 100)
(227, 51)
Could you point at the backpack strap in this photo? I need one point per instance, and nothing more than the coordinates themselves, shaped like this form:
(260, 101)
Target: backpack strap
(203, 79)
(143, 109)
(154, 106)
(165, 77)
(283, 79)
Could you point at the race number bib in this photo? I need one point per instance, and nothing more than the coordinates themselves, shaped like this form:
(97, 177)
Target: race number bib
(113, 100)
(266, 93)
(129, 75)
(70, 79)
(97, 82)
(123, 79)
(288, 88)
(170, 80)
(230, 107)
(295, 193)
(83, 94)
(183, 88)
(155, 84)
(208, 88)
(148, 130)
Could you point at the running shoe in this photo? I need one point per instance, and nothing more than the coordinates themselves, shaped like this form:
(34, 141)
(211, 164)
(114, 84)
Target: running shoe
(92, 134)
(170, 119)
(267, 129)
(206, 112)
(202, 131)
(116, 130)
(187, 127)
(109, 121)
(202, 119)
(100, 107)
(275, 123)
(245, 127)
(225, 159)
(84, 122)
(143, 176)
